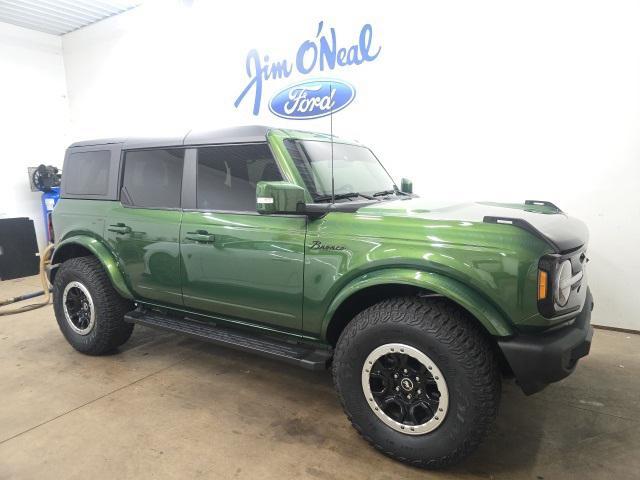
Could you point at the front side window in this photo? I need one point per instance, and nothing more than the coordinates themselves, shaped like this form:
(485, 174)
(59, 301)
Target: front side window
(153, 178)
(355, 168)
(228, 174)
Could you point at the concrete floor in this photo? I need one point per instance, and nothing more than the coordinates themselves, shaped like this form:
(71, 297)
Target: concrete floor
(171, 407)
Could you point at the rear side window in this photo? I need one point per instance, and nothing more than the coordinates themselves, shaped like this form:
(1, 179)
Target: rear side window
(228, 174)
(87, 173)
(152, 178)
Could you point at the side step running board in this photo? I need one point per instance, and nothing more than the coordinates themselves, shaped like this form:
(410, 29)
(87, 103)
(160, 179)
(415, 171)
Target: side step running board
(297, 354)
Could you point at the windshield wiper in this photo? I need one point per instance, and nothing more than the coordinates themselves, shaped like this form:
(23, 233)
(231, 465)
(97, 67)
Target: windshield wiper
(385, 192)
(389, 192)
(339, 196)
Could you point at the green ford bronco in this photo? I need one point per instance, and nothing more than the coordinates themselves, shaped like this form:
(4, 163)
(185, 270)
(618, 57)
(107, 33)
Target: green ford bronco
(299, 246)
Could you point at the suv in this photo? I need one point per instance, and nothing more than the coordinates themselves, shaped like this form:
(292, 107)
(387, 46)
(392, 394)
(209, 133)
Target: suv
(299, 246)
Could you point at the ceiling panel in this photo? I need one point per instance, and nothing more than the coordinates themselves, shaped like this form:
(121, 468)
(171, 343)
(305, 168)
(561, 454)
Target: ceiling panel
(60, 16)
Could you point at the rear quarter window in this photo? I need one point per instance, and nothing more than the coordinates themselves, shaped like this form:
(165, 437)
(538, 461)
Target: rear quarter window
(87, 173)
(91, 172)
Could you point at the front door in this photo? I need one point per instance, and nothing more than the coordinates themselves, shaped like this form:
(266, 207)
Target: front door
(239, 264)
(143, 229)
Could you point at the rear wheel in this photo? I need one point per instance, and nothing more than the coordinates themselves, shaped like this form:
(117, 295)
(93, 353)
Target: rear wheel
(418, 380)
(89, 311)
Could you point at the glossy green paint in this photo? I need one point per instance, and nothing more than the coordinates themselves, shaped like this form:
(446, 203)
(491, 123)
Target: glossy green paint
(496, 264)
(108, 261)
(290, 273)
(146, 243)
(279, 197)
(81, 223)
(251, 269)
(494, 321)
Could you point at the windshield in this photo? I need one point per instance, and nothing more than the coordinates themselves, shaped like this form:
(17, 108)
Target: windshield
(356, 169)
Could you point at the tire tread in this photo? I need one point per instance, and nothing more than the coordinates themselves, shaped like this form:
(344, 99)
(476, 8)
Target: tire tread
(110, 306)
(453, 327)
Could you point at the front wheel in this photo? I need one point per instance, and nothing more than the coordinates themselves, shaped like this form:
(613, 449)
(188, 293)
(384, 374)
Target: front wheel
(418, 380)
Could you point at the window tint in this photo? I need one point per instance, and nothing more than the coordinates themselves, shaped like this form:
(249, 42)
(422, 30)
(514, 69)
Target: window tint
(228, 174)
(87, 173)
(153, 178)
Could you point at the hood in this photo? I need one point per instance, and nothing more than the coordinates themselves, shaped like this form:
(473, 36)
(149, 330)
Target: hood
(542, 219)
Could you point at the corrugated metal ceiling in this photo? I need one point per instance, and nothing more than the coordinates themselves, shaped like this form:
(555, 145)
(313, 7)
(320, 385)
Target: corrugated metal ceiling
(60, 16)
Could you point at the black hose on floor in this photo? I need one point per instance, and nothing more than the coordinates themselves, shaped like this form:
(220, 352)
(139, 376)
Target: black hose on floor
(45, 259)
(20, 298)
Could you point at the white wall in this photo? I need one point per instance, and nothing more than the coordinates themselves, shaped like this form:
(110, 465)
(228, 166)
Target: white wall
(491, 100)
(33, 118)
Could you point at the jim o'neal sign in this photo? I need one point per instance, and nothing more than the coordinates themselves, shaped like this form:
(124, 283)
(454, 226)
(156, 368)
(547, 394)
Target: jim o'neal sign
(310, 98)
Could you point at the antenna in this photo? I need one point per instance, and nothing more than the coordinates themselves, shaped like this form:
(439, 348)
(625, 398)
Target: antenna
(333, 193)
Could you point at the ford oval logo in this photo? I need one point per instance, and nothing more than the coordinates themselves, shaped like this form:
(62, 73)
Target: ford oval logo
(312, 99)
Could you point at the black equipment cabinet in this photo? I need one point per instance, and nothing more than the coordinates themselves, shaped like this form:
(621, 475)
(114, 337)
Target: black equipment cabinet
(18, 248)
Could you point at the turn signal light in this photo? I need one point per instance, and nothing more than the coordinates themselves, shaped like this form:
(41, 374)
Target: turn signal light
(542, 284)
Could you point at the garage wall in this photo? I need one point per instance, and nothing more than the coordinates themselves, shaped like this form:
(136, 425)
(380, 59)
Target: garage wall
(34, 118)
(493, 100)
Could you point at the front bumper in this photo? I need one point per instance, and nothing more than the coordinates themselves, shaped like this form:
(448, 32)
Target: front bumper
(539, 359)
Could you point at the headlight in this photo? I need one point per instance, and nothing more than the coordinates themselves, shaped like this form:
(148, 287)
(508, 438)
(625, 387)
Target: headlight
(559, 290)
(563, 286)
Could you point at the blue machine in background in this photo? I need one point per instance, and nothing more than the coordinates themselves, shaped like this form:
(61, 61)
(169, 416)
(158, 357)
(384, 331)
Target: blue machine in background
(49, 200)
(47, 180)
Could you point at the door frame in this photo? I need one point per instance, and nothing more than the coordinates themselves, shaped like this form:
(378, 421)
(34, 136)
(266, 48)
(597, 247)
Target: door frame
(189, 205)
(188, 151)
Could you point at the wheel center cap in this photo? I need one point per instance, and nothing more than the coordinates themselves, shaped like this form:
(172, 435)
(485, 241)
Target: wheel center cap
(406, 384)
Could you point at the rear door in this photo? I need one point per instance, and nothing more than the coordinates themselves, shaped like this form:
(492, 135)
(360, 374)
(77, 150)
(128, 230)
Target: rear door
(143, 228)
(238, 263)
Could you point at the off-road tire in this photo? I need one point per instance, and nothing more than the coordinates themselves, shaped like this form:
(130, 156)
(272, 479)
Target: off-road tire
(454, 342)
(109, 330)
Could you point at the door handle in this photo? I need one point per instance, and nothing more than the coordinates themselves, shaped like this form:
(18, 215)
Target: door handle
(200, 236)
(119, 228)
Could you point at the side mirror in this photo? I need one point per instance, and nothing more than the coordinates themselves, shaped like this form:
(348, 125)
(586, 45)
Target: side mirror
(406, 186)
(279, 197)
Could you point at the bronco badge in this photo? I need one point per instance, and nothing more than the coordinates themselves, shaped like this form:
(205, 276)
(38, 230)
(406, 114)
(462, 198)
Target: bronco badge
(317, 245)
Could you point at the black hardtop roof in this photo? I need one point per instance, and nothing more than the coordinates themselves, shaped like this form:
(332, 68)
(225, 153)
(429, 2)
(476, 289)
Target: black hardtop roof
(244, 134)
